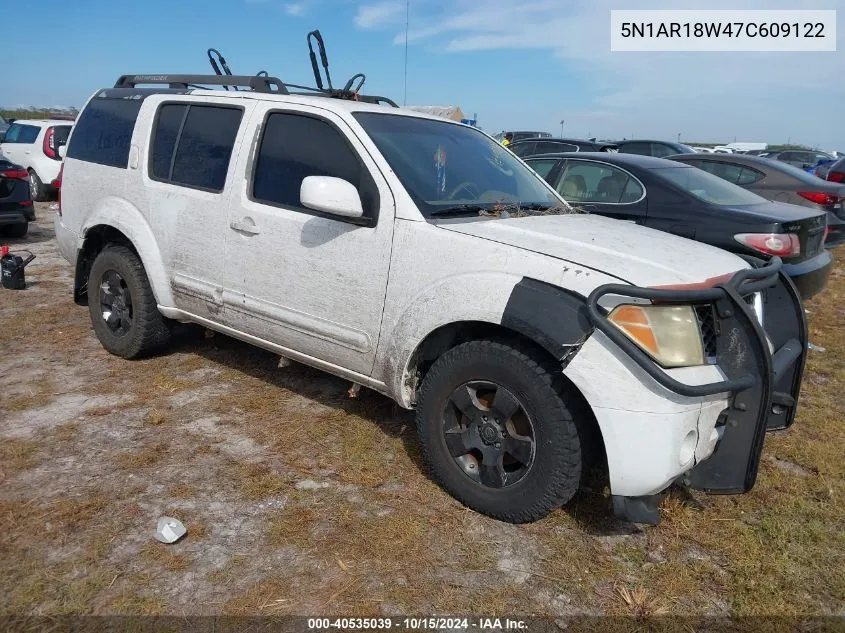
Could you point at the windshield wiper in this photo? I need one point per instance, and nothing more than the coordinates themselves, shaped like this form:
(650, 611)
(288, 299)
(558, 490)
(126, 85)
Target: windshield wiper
(460, 209)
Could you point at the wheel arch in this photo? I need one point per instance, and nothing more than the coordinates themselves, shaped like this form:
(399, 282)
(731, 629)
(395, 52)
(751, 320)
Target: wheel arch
(116, 221)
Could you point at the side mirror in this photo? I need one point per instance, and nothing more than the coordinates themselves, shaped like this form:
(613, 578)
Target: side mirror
(331, 195)
(61, 151)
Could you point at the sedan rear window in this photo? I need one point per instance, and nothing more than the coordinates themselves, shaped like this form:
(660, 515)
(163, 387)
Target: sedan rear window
(707, 187)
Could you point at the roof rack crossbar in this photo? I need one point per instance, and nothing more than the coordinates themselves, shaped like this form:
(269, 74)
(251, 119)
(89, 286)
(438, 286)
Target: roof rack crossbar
(253, 82)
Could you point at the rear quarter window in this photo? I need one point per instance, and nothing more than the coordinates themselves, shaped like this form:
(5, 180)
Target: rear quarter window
(103, 132)
(193, 144)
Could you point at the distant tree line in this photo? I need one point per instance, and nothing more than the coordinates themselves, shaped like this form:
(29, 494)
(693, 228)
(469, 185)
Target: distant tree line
(772, 147)
(37, 113)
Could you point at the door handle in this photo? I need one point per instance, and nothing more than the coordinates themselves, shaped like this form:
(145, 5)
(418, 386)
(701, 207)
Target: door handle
(245, 225)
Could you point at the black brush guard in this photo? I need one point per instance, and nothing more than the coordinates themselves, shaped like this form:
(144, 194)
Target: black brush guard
(763, 386)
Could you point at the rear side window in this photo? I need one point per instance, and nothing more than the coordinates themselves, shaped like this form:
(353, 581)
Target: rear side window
(294, 147)
(660, 150)
(551, 147)
(644, 149)
(749, 176)
(523, 149)
(21, 133)
(543, 166)
(103, 132)
(597, 182)
(192, 144)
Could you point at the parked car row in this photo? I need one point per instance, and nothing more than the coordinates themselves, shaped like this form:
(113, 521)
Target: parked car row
(36, 145)
(694, 203)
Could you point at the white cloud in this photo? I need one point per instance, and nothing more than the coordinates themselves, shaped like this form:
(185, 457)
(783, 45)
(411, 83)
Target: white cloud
(296, 8)
(704, 95)
(378, 15)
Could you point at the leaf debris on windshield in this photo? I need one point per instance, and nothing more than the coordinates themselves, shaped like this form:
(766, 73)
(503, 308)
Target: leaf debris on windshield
(514, 210)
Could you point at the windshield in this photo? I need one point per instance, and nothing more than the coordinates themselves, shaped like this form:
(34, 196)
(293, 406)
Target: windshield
(707, 187)
(447, 167)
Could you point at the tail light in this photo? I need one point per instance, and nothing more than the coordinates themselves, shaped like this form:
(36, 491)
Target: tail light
(57, 185)
(817, 197)
(49, 144)
(780, 244)
(15, 174)
(836, 176)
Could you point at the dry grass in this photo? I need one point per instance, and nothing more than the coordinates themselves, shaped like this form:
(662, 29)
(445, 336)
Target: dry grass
(17, 455)
(143, 457)
(155, 417)
(182, 491)
(157, 554)
(256, 481)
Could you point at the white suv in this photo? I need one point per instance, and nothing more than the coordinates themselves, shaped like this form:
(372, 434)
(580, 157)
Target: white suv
(37, 146)
(421, 259)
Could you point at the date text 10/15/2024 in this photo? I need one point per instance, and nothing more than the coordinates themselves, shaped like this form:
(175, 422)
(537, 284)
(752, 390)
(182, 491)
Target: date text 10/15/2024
(417, 624)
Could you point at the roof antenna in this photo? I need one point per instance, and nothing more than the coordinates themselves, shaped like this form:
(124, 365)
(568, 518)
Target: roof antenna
(407, 22)
(319, 39)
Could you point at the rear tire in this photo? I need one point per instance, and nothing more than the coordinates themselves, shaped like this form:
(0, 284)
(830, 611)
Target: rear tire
(502, 475)
(17, 230)
(37, 190)
(122, 306)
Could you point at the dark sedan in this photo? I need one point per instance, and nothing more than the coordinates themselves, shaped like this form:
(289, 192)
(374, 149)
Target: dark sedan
(780, 182)
(534, 146)
(801, 158)
(16, 208)
(658, 149)
(680, 199)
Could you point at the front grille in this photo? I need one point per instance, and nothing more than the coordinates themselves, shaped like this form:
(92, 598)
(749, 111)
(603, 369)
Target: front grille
(707, 322)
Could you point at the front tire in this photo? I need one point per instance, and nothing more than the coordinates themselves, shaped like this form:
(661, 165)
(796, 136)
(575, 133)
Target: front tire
(122, 306)
(37, 190)
(496, 433)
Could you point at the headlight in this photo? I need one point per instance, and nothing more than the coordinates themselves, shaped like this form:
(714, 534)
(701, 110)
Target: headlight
(669, 334)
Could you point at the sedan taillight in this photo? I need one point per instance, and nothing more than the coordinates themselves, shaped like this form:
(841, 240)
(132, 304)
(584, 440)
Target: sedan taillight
(15, 174)
(817, 197)
(836, 176)
(780, 244)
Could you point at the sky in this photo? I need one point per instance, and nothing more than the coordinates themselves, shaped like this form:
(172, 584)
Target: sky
(517, 64)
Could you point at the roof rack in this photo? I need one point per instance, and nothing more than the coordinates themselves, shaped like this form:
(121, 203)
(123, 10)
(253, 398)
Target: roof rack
(255, 83)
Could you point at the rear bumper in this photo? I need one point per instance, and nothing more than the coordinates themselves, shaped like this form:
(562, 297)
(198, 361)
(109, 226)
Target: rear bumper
(759, 369)
(20, 215)
(836, 234)
(810, 276)
(67, 239)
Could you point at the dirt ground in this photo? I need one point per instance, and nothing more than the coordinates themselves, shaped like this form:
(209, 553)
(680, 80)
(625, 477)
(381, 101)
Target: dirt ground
(299, 500)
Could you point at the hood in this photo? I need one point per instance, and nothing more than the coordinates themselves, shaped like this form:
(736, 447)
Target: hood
(638, 255)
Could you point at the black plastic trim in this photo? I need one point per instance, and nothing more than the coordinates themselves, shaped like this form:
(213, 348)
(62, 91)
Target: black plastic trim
(637, 509)
(550, 316)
